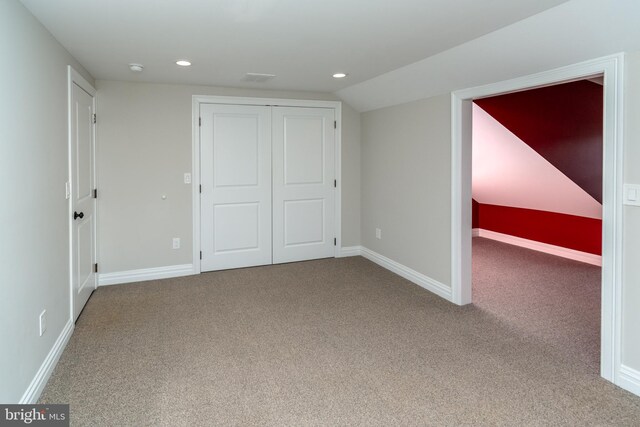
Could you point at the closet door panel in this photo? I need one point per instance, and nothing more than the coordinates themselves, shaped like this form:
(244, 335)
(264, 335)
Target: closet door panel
(303, 183)
(236, 186)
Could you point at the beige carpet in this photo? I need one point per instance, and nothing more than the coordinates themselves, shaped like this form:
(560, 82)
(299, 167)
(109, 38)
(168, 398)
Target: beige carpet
(543, 296)
(328, 342)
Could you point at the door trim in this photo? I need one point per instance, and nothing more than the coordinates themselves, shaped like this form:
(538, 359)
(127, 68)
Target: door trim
(612, 67)
(197, 100)
(73, 77)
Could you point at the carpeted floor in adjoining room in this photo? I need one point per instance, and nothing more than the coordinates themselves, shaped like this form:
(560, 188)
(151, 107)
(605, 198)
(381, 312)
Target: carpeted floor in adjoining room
(542, 296)
(327, 342)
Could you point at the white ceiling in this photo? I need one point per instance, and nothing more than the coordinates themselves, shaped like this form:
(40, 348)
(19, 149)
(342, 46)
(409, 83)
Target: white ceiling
(303, 42)
(572, 32)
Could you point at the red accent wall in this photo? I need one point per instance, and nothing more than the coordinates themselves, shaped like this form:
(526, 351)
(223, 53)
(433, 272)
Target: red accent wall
(475, 214)
(562, 123)
(569, 231)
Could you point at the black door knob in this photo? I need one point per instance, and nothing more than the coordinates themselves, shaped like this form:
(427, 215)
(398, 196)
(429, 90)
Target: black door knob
(77, 215)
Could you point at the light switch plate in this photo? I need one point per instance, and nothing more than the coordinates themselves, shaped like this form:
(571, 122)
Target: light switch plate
(187, 178)
(631, 195)
(67, 190)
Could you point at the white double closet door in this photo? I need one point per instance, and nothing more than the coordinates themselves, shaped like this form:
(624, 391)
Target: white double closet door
(267, 176)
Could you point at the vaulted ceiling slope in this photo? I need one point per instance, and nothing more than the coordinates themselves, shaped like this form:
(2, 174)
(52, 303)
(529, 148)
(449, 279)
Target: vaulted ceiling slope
(572, 32)
(562, 123)
(302, 42)
(507, 172)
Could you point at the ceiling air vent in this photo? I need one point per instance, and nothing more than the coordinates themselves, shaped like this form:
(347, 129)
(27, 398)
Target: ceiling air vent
(257, 77)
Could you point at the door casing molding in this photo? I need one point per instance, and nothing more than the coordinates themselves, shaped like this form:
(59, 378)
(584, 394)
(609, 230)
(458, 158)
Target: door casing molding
(197, 100)
(612, 68)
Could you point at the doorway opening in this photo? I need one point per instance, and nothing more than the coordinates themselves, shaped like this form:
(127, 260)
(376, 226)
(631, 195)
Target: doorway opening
(611, 70)
(537, 214)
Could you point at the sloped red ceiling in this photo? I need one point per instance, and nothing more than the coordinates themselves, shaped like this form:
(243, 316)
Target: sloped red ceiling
(563, 123)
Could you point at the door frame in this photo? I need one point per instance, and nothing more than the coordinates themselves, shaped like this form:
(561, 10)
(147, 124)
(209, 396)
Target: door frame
(73, 77)
(612, 68)
(197, 100)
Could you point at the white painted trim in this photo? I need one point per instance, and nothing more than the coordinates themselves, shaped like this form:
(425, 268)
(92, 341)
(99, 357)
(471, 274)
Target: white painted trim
(350, 251)
(612, 67)
(411, 275)
(475, 232)
(337, 202)
(541, 247)
(196, 100)
(76, 77)
(144, 274)
(461, 200)
(195, 182)
(629, 379)
(32, 394)
(269, 102)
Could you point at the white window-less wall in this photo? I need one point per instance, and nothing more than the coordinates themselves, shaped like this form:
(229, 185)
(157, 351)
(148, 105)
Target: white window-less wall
(266, 181)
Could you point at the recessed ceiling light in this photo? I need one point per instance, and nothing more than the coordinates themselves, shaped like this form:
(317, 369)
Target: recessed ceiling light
(136, 67)
(339, 75)
(183, 63)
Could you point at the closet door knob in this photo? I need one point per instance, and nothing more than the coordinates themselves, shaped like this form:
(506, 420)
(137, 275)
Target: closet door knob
(77, 215)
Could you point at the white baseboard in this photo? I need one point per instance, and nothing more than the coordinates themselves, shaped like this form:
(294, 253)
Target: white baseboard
(419, 279)
(143, 274)
(542, 247)
(32, 394)
(629, 379)
(350, 251)
(475, 232)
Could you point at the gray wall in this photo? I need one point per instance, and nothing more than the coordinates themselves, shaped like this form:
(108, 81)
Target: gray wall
(406, 184)
(34, 246)
(406, 166)
(631, 223)
(351, 164)
(144, 148)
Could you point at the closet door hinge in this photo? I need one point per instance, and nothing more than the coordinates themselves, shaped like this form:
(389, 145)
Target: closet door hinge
(94, 118)
(335, 183)
(95, 267)
(95, 193)
(335, 124)
(200, 188)
(200, 254)
(199, 121)
(335, 241)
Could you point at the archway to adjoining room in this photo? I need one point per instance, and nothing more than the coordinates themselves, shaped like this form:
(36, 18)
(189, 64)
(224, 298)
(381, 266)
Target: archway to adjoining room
(537, 214)
(610, 68)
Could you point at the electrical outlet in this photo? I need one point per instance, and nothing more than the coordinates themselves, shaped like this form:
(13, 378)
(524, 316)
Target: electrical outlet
(43, 322)
(176, 243)
(378, 233)
(187, 178)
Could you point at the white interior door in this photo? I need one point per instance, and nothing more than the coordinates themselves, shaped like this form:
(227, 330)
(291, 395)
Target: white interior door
(236, 186)
(83, 229)
(303, 183)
